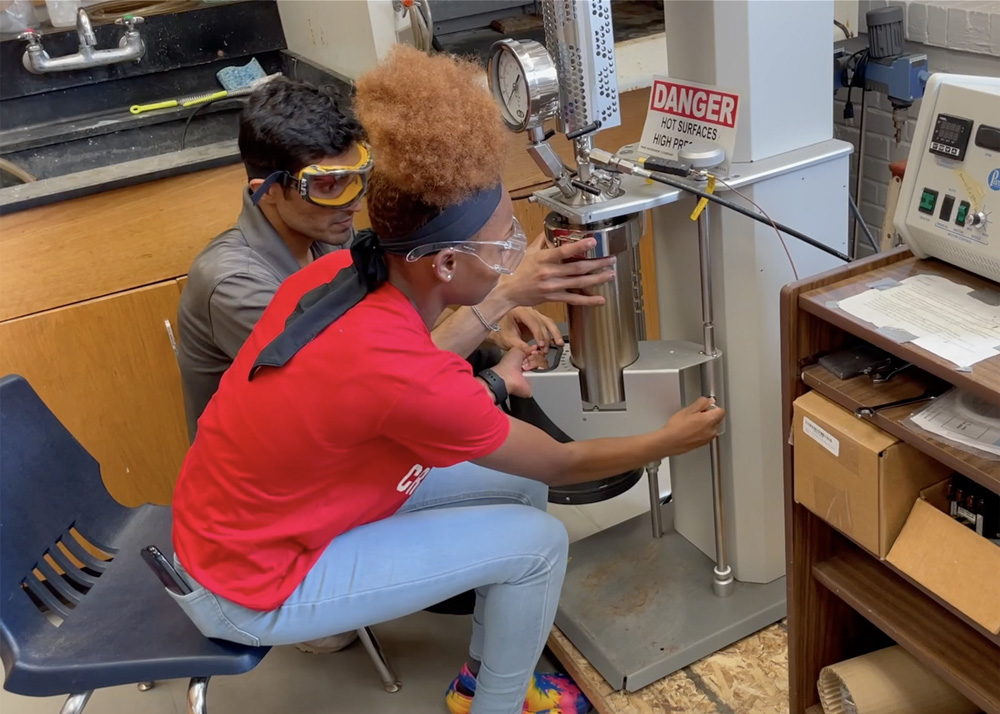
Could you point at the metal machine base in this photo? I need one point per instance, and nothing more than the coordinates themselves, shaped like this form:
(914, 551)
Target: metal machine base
(640, 608)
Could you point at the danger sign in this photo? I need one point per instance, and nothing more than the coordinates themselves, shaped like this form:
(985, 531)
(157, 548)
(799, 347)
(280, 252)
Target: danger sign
(682, 112)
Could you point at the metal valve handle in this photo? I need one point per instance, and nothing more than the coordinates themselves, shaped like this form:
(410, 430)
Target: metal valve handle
(129, 21)
(32, 37)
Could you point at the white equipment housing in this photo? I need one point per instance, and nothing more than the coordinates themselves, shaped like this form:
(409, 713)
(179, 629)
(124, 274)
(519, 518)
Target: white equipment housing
(949, 203)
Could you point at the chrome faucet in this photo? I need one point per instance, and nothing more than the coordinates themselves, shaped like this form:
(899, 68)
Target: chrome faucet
(130, 47)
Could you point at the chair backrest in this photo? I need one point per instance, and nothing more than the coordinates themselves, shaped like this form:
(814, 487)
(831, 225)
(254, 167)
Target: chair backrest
(58, 524)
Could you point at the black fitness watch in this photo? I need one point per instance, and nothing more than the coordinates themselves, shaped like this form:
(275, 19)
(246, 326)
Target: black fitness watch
(496, 384)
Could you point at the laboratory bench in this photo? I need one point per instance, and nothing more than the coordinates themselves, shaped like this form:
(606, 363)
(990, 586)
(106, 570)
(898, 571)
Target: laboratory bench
(844, 601)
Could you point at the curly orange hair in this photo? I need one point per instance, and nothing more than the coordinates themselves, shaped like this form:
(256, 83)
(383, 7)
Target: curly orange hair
(436, 135)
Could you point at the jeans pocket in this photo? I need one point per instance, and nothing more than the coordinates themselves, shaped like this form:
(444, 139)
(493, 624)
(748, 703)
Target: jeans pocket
(202, 608)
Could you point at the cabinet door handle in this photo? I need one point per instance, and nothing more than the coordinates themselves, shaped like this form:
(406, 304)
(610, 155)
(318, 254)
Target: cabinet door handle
(170, 334)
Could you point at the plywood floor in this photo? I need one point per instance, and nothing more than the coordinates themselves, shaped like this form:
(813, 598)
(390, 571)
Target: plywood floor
(750, 677)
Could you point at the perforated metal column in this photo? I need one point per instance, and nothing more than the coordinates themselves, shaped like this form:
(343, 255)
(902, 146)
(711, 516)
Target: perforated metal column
(580, 38)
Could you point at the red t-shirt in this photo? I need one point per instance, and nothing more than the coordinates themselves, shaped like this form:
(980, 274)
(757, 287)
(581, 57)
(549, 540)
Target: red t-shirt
(338, 437)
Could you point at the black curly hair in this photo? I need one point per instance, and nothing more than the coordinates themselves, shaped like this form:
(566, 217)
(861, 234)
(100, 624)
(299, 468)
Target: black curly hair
(288, 124)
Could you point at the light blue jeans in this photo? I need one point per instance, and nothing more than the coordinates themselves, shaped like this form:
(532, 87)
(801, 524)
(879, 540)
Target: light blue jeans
(464, 528)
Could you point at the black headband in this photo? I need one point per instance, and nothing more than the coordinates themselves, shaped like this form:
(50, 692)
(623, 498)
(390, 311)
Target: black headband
(454, 224)
(322, 306)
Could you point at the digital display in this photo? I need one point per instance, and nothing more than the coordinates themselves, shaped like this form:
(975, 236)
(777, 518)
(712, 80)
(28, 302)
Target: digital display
(951, 136)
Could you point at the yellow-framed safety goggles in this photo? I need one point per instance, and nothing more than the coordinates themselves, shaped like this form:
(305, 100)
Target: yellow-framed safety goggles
(327, 186)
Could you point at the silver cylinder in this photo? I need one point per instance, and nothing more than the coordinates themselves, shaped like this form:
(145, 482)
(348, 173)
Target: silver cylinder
(603, 339)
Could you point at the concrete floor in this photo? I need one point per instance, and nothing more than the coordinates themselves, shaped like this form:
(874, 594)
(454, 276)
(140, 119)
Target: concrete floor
(426, 650)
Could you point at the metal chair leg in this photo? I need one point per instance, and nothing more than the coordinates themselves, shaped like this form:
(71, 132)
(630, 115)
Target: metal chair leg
(75, 703)
(198, 695)
(389, 679)
(145, 686)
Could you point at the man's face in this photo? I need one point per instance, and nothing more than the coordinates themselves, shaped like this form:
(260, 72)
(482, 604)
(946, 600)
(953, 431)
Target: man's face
(319, 223)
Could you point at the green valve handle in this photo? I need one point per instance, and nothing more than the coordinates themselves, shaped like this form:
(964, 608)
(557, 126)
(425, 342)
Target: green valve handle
(129, 21)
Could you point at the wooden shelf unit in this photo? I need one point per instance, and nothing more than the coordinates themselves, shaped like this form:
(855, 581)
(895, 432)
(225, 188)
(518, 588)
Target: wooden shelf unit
(945, 644)
(843, 601)
(860, 392)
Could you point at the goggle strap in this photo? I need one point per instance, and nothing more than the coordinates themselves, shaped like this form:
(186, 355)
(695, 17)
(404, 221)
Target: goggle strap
(268, 182)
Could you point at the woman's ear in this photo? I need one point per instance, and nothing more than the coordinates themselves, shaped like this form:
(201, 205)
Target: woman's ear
(444, 265)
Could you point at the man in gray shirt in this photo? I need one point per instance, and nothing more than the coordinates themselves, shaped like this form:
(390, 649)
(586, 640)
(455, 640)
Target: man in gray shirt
(286, 126)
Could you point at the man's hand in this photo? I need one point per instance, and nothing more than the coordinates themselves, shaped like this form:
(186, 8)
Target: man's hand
(551, 274)
(514, 364)
(693, 426)
(524, 323)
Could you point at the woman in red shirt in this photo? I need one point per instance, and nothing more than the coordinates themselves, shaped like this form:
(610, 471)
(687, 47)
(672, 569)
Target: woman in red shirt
(347, 471)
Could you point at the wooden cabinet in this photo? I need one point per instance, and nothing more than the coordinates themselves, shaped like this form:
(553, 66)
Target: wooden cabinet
(87, 247)
(107, 369)
(842, 601)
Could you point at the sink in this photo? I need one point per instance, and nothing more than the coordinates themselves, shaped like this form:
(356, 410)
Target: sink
(71, 146)
(71, 134)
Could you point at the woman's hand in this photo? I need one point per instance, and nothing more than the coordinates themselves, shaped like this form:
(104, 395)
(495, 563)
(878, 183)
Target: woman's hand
(514, 364)
(553, 274)
(693, 426)
(524, 323)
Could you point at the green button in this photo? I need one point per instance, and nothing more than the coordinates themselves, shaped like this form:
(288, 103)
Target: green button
(928, 199)
(963, 211)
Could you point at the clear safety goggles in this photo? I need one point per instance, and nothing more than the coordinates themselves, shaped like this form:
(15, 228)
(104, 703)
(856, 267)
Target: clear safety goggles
(503, 256)
(328, 186)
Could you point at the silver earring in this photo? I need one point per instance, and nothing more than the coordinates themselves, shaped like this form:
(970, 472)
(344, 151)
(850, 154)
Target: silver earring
(448, 276)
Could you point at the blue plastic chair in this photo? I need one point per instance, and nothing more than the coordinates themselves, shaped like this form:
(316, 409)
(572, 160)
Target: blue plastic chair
(72, 621)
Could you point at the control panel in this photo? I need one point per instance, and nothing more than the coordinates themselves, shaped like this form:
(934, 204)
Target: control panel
(949, 202)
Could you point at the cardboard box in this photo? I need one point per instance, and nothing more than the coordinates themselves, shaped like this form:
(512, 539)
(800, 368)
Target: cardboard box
(950, 560)
(856, 477)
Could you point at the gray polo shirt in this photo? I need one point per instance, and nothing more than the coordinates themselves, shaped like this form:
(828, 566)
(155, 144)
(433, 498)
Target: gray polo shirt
(228, 287)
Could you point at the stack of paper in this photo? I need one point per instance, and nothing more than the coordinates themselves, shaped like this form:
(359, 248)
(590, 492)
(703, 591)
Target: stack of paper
(950, 320)
(963, 420)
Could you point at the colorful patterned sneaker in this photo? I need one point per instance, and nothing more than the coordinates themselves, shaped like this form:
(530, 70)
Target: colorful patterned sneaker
(555, 694)
(547, 694)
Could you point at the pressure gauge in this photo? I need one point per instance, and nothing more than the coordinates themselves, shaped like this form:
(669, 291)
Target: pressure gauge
(524, 82)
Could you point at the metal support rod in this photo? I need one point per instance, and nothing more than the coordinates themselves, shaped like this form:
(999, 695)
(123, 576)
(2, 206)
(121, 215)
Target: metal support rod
(858, 178)
(75, 703)
(864, 226)
(584, 145)
(723, 583)
(198, 695)
(653, 476)
(389, 680)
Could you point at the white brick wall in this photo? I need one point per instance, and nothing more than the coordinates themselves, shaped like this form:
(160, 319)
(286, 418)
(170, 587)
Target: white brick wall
(958, 36)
